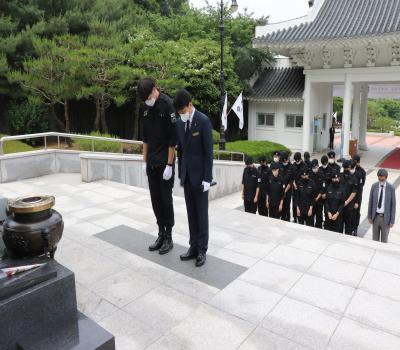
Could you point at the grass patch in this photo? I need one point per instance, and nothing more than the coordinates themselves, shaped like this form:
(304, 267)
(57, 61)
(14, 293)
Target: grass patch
(16, 146)
(99, 145)
(254, 149)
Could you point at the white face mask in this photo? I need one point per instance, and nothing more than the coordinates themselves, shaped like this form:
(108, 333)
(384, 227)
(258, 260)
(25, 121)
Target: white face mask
(185, 117)
(275, 172)
(151, 102)
(276, 159)
(315, 170)
(331, 161)
(325, 166)
(352, 171)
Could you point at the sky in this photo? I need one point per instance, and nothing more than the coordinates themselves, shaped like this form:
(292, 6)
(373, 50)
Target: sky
(278, 10)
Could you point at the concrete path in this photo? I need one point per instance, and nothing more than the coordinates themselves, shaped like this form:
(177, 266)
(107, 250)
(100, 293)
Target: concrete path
(302, 288)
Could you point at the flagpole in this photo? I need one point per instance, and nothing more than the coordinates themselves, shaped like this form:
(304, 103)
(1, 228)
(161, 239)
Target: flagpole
(222, 78)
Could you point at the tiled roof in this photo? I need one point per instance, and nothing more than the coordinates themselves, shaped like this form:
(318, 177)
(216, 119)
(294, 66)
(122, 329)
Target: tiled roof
(279, 84)
(341, 19)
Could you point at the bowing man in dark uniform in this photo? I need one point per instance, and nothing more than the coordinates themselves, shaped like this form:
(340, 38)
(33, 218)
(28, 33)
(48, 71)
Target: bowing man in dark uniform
(195, 165)
(334, 204)
(261, 194)
(350, 185)
(159, 140)
(361, 175)
(305, 198)
(249, 186)
(275, 192)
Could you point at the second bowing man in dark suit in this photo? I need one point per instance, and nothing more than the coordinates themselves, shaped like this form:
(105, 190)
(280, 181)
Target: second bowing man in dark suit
(195, 164)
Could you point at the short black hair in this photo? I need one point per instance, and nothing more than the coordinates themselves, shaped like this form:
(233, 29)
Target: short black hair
(182, 99)
(145, 88)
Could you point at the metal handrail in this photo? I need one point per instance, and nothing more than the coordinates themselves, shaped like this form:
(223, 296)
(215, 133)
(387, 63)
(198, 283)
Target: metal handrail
(45, 135)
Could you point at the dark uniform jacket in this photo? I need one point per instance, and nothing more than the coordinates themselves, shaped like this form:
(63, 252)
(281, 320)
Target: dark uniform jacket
(196, 154)
(275, 189)
(296, 170)
(159, 130)
(263, 174)
(250, 183)
(349, 183)
(320, 183)
(360, 175)
(305, 195)
(335, 198)
(326, 173)
(287, 174)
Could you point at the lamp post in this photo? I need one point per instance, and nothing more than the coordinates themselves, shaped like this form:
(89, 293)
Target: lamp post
(234, 7)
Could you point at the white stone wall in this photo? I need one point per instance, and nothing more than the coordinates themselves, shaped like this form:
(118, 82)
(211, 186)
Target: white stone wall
(289, 137)
(127, 169)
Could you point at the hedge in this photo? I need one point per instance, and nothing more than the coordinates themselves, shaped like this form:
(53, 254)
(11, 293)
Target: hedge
(16, 146)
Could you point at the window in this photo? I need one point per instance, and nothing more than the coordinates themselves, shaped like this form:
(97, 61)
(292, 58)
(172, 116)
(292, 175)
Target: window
(294, 121)
(265, 119)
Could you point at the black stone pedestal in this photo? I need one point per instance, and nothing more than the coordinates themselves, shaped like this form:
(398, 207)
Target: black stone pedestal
(45, 317)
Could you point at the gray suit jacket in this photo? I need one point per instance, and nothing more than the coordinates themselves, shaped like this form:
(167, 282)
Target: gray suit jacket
(390, 203)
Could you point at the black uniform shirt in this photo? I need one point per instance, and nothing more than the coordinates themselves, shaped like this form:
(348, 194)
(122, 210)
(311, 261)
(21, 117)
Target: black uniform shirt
(296, 169)
(319, 180)
(327, 174)
(335, 198)
(275, 189)
(287, 173)
(361, 175)
(349, 183)
(305, 195)
(250, 183)
(159, 130)
(263, 174)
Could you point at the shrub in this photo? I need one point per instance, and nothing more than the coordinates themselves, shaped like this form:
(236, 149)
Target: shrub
(99, 145)
(27, 118)
(254, 149)
(216, 136)
(16, 146)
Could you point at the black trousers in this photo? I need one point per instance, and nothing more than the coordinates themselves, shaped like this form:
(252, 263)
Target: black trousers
(197, 212)
(161, 196)
(262, 205)
(286, 206)
(331, 142)
(348, 220)
(250, 207)
(317, 212)
(294, 208)
(335, 226)
(356, 218)
(304, 219)
(274, 211)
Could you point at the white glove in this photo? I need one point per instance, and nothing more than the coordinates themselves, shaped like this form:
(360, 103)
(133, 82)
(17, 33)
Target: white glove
(206, 186)
(144, 169)
(167, 173)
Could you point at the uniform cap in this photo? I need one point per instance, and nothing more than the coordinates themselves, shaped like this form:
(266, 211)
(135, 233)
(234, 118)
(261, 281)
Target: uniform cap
(249, 161)
(324, 160)
(274, 166)
(262, 159)
(304, 172)
(297, 156)
(331, 154)
(284, 155)
(277, 153)
(314, 162)
(346, 164)
(336, 175)
(357, 158)
(307, 155)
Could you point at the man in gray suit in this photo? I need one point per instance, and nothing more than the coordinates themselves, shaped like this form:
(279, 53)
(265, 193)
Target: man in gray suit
(382, 207)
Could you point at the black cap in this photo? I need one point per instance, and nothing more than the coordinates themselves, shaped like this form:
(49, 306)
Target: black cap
(314, 163)
(335, 175)
(297, 156)
(262, 159)
(324, 160)
(346, 164)
(307, 155)
(353, 163)
(248, 161)
(357, 158)
(277, 153)
(284, 156)
(305, 172)
(331, 154)
(274, 166)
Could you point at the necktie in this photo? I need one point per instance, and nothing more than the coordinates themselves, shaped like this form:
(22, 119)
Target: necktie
(380, 198)
(187, 130)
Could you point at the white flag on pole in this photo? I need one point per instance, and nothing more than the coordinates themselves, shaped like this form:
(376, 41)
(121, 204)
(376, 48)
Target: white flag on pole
(238, 109)
(224, 116)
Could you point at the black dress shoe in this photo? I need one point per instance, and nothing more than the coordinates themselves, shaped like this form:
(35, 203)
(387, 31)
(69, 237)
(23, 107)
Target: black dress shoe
(189, 255)
(201, 259)
(157, 244)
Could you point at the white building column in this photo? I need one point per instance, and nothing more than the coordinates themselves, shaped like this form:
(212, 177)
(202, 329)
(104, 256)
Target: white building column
(307, 115)
(355, 129)
(362, 143)
(347, 114)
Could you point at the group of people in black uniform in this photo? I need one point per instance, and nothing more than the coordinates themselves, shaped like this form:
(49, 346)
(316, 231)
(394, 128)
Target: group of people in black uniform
(321, 194)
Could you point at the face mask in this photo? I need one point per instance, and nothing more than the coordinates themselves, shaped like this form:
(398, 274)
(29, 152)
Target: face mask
(331, 161)
(298, 161)
(276, 159)
(324, 166)
(285, 163)
(352, 171)
(185, 117)
(151, 102)
(315, 170)
(335, 183)
(275, 172)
